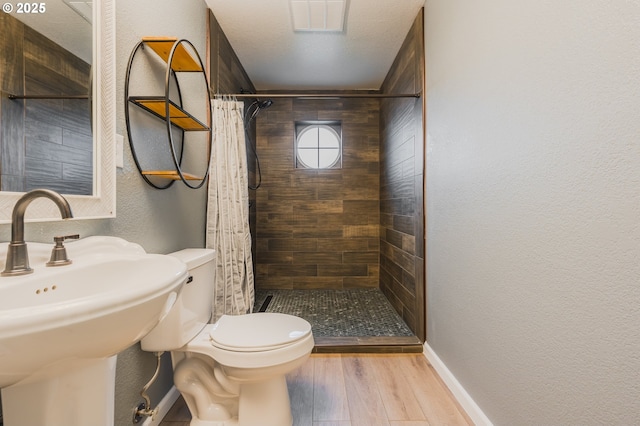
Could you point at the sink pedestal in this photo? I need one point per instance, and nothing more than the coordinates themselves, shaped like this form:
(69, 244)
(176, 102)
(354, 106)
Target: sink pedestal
(72, 393)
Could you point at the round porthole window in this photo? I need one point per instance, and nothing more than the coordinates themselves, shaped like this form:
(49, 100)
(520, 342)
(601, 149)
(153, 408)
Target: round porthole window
(318, 147)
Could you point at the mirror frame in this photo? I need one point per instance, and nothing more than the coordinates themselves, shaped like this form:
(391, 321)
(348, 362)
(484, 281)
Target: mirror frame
(102, 204)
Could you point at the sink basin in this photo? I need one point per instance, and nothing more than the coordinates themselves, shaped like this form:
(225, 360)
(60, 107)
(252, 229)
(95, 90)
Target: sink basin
(58, 319)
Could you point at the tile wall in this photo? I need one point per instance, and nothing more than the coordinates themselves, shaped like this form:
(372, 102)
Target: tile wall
(318, 228)
(402, 254)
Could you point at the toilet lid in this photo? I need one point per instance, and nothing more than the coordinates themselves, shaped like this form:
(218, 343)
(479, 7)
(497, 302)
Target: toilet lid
(257, 332)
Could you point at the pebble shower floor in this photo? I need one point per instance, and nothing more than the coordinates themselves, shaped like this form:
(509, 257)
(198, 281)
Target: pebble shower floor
(337, 313)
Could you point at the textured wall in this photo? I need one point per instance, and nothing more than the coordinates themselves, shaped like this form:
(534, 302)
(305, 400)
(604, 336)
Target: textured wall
(161, 221)
(533, 206)
(402, 183)
(318, 228)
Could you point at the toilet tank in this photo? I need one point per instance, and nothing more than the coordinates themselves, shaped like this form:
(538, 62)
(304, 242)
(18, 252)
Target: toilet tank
(192, 309)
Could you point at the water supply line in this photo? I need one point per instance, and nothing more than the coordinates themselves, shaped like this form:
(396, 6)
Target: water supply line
(144, 408)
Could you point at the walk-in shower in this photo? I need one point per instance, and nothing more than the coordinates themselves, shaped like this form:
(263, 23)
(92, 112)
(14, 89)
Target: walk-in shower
(319, 253)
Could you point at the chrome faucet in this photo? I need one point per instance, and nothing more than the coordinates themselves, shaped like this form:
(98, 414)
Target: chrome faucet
(17, 255)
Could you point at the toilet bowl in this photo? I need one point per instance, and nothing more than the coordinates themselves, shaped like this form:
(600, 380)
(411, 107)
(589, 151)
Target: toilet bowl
(231, 372)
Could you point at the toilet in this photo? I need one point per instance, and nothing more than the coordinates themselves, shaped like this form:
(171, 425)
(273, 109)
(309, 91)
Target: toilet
(232, 372)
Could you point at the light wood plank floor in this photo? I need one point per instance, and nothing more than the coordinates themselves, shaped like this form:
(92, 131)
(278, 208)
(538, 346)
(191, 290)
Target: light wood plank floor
(362, 390)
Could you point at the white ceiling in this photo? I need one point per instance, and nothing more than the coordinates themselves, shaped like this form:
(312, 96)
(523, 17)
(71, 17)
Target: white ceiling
(277, 58)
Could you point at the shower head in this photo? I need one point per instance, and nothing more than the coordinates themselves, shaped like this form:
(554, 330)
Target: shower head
(265, 103)
(259, 106)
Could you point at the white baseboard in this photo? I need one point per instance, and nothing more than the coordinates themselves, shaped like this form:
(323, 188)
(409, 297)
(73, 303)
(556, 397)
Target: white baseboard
(163, 407)
(459, 393)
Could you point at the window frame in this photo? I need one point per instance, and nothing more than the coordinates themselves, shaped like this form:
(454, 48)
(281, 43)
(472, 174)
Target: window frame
(301, 127)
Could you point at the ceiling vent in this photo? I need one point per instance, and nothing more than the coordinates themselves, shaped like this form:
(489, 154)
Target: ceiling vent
(318, 15)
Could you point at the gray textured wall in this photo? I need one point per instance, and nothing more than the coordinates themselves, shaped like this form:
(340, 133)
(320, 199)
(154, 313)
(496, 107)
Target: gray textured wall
(161, 221)
(533, 206)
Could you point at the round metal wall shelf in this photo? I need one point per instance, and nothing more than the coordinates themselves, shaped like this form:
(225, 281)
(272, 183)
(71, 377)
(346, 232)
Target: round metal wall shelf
(176, 54)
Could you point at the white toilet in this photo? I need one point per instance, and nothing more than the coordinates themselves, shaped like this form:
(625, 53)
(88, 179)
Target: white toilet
(231, 373)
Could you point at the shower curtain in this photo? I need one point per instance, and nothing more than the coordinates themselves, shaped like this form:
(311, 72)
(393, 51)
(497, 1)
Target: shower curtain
(228, 212)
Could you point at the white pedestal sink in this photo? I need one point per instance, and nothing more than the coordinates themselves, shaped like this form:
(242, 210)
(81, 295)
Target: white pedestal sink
(61, 328)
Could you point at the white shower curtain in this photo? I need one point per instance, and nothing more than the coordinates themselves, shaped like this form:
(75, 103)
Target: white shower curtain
(228, 212)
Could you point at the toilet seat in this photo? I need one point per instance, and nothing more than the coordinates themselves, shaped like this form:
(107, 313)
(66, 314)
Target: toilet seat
(258, 332)
(267, 354)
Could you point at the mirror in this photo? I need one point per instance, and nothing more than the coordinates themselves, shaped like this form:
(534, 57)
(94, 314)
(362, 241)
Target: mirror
(46, 139)
(91, 125)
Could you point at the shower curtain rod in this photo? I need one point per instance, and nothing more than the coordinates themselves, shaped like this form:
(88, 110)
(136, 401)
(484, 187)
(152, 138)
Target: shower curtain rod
(323, 95)
(10, 96)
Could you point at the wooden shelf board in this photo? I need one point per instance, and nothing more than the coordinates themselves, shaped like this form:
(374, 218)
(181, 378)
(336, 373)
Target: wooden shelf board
(182, 59)
(187, 123)
(170, 174)
(177, 115)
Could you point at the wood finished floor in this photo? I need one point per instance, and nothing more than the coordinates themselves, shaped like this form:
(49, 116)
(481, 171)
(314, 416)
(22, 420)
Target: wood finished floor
(362, 390)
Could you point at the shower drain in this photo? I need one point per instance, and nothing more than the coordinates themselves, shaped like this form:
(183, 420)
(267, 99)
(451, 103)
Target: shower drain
(265, 304)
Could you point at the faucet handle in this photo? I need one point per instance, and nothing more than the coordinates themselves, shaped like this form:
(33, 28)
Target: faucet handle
(60, 240)
(59, 252)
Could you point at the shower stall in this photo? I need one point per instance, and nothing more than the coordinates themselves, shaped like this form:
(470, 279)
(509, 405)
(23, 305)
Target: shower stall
(344, 246)
(337, 246)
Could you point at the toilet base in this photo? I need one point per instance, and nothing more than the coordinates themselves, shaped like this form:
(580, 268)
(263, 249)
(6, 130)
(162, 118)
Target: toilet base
(256, 409)
(265, 403)
(217, 400)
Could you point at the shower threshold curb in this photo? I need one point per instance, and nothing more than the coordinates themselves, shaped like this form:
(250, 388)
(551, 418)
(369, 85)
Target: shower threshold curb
(368, 344)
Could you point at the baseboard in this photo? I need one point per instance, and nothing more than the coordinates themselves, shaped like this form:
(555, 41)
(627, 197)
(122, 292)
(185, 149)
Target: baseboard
(163, 407)
(459, 393)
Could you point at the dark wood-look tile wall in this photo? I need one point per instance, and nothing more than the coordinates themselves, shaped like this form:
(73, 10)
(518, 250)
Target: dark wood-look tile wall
(44, 143)
(319, 228)
(11, 111)
(402, 258)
